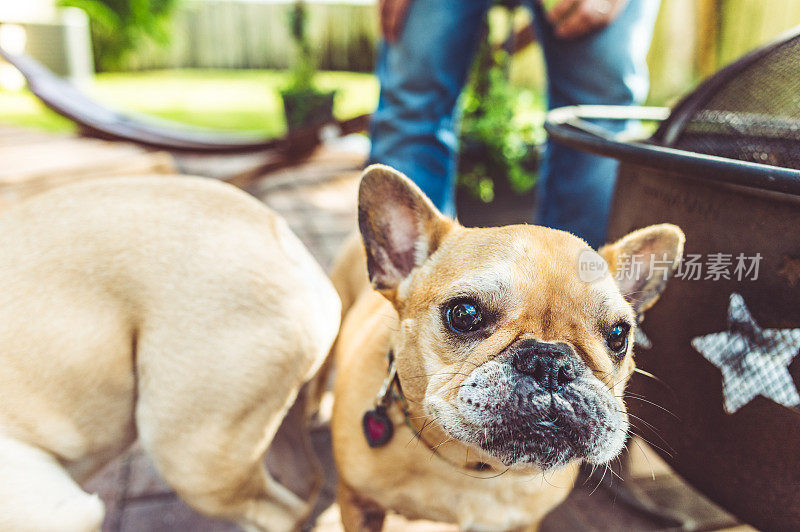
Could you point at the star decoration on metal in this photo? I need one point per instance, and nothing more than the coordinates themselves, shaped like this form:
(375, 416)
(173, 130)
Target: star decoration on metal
(753, 361)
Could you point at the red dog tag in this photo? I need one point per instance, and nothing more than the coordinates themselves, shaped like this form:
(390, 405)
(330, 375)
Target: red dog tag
(378, 428)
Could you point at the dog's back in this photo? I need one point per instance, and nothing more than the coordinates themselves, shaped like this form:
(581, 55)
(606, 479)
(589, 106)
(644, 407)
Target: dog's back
(349, 272)
(176, 308)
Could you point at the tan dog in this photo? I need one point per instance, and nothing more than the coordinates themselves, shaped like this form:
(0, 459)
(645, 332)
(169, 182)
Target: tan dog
(176, 309)
(509, 367)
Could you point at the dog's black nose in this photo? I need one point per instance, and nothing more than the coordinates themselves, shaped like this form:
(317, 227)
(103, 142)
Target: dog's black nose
(551, 365)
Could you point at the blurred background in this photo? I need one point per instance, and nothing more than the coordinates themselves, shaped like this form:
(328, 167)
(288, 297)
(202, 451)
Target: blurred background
(227, 63)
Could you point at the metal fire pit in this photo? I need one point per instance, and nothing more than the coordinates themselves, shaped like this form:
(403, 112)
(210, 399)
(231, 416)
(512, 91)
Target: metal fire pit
(724, 165)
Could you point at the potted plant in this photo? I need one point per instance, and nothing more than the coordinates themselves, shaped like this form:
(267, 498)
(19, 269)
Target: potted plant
(499, 157)
(304, 105)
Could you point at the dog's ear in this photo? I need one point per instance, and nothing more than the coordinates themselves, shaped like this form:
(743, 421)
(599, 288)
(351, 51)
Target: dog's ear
(642, 262)
(399, 225)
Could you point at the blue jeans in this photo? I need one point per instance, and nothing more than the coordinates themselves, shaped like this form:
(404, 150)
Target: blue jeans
(414, 128)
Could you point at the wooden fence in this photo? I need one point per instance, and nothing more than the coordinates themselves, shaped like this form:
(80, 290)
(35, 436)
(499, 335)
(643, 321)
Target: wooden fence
(693, 38)
(246, 34)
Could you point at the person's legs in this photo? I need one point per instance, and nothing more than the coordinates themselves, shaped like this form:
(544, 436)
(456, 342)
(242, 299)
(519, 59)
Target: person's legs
(607, 67)
(421, 77)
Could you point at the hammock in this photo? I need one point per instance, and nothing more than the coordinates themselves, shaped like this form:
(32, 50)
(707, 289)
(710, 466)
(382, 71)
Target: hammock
(97, 120)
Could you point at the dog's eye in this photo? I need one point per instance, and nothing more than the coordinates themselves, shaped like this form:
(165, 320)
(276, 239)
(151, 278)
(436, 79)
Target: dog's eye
(464, 316)
(617, 339)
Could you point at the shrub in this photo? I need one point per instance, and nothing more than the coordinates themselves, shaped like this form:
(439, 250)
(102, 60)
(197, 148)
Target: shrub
(121, 26)
(496, 152)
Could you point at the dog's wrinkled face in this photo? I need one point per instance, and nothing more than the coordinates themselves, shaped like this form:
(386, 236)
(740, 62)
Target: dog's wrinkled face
(503, 343)
(524, 360)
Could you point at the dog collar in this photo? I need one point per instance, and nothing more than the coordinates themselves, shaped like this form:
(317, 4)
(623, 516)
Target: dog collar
(378, 427)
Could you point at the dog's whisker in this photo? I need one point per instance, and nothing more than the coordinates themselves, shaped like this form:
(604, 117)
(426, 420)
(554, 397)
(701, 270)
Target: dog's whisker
(435, 448)
(544, 478)
(654, 404)
(631, 433)
(418, 434)
(437, 374)
(614, 473)
(635, 440)
(653, 430)
(500, 474)
(650, 426)
(591, 473)
(605, 468)
(669, 452)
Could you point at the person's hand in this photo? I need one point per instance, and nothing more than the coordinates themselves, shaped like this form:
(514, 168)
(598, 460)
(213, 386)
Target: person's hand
(575, 18)
(393, 16)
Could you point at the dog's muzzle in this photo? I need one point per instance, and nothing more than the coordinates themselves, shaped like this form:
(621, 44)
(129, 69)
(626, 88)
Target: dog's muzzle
(537, 403)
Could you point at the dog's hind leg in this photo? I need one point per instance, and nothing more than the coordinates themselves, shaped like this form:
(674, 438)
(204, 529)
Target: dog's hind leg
(209, 407)
(358, 513)
(37, 494)
(291, 458)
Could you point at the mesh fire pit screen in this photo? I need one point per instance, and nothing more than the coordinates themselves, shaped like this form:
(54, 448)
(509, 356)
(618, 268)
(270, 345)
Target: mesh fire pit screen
(724, 165)
(749, 111)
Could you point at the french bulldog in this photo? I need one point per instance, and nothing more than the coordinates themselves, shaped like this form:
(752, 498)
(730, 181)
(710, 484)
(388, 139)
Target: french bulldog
(177, 310)
(477, 368)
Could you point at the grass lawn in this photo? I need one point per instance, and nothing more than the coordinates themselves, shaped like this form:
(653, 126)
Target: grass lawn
(220, 99)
